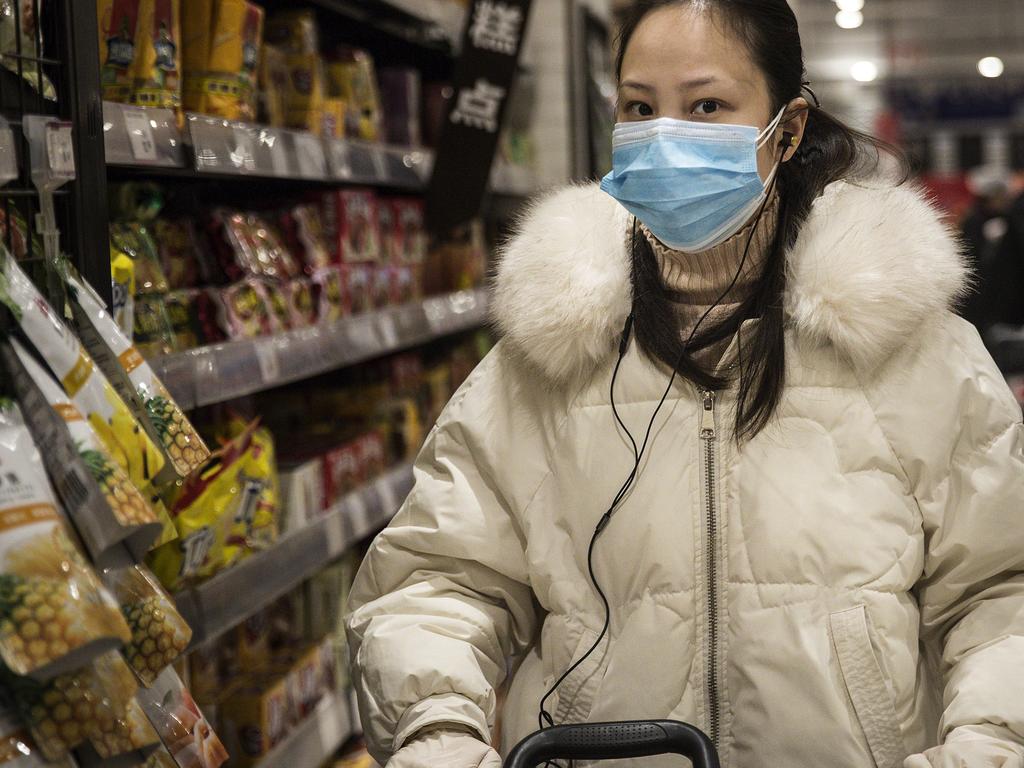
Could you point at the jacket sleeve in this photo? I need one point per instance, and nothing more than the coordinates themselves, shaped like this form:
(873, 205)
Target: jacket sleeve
(443, 598)
(970, 488)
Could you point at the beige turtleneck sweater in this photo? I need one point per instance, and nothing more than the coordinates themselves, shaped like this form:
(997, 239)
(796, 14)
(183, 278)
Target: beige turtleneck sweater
(694, 281)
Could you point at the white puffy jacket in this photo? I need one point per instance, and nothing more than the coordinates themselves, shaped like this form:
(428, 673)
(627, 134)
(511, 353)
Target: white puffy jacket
(846, 589)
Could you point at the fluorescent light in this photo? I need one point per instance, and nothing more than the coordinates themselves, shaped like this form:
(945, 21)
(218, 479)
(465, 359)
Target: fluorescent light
(850, 5)
(849, 19)
(991, 66)
(864, 71)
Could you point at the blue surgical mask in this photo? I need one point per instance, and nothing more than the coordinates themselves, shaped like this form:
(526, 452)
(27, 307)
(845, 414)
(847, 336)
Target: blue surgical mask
(693, 184)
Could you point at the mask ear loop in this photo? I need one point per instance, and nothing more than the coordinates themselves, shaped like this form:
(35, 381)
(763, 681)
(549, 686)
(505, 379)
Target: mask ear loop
(763, 137)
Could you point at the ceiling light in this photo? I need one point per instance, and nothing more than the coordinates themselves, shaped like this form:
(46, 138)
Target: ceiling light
(850, 5)
(849, 19)
(991, 66)
(864, 71)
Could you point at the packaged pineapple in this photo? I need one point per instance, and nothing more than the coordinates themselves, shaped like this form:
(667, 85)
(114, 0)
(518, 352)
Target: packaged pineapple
(161, 759)
(186, 734)
(74, 707)
(123, 741)
(125, 440)
(18, 749)
(159, 634)
(129, 506)
(135, 381)
(55, 614)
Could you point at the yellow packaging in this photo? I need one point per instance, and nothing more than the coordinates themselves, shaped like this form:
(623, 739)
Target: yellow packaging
(131, 735)
(304, 96)
(196, 28)
(273, 85)
(118, 22)
(294, 31)
(354, 80)
(332, 118)
(122, 276)
(156, 80)
(255, 719)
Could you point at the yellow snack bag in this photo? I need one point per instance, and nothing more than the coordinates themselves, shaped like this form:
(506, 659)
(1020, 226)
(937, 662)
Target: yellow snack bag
(157, 69)
(118, 22)
(136, 381)
(196, 30)
(223, 40)
(122, 436)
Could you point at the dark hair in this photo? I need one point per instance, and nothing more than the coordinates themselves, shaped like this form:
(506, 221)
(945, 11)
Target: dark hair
(830, 151)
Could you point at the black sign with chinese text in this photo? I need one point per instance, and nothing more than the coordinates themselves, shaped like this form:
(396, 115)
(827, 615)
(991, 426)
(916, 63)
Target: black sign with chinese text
(484, 76)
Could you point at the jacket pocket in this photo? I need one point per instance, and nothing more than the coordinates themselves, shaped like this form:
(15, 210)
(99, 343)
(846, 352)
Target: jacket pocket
(866, 685)
(576, 694)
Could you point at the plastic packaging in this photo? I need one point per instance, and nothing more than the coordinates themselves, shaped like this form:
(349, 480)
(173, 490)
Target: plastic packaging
(118, 21)
(28, 32)
(136, 381)
(186, 734)
(157, 66)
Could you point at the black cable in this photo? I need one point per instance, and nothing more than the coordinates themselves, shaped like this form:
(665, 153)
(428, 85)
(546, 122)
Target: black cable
(544, 718)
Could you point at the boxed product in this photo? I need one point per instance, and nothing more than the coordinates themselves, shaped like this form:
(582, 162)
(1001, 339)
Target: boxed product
(409, 235)
(302, 494)
(400, 94)
(255, 718)
(381, 288)
(157, 69)
(357, 280)
(305, 237)
(186, 734)
(352, 225)
(118, 22)
(295, 33)
(332, 118)
(351, 78)
(304, 681)
(342, 471)
(273, 86)
(328, 294)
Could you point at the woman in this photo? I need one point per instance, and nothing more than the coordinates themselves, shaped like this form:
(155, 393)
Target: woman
(733, 463)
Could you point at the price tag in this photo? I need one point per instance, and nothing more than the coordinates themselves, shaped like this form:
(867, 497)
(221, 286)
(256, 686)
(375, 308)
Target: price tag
(310, 151)
(140, 134)
(244, 155)
(8, 154)
(341, 162)
(388, 331)
(266, 356)
(60, 150)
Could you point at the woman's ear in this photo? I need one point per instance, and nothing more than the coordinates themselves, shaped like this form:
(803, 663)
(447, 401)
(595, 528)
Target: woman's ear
(794, 123)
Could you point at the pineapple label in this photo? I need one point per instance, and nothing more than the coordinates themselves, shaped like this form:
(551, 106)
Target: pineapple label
(54, 613)
(138, 385)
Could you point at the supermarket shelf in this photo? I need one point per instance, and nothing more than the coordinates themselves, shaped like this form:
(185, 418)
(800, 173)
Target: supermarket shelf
(233, 369)
(235, 594)
(313, 741)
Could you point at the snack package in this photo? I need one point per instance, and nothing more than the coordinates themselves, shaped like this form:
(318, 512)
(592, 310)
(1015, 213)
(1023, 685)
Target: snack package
(118, 22)
(255, 526)
(186, 734)
(358, 287)
(273, 86)
(381, 287)
(304, 232)
(352, 226)
(161, 759)
(74, 707)
(183, 314)
(332, 118)
(242, 310)
(179, 253)
(55, 615)
(136, 381)
(157, 71)
(351, 77)
(135, 239)
(208, 512)
(255, 718)
(276, 297)
(124, 439)
(246, 245)
(15, 233)
(342, 472)
(328, 291)
(409, 236)
(23, 40)
(222, 52)
(401, 97)
(131, 509)
(295, 34)
(152, 331)
(300, 302)
(159, 634)
(17, 747)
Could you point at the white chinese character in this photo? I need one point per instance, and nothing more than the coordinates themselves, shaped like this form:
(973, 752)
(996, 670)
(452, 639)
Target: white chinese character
(478, 106)
(496, 26)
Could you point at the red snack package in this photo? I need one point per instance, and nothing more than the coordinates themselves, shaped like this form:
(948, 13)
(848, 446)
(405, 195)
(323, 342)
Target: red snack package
(244, 312)
(301, 305)
(352, 225)
(358, 282)
(329, 295)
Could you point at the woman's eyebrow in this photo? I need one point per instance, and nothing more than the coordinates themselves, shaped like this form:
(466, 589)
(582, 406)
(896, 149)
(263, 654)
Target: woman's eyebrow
(682, 86)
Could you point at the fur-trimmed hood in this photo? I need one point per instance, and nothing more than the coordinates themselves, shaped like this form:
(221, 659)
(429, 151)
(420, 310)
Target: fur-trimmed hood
(872, 264)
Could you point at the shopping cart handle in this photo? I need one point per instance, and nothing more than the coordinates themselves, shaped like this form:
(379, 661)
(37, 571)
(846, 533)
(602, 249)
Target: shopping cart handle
(609, 741)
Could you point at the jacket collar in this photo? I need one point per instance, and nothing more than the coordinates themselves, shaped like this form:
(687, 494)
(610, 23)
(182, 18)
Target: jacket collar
(872, 264)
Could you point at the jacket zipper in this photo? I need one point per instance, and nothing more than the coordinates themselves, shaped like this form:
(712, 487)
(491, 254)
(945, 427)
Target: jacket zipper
(708, 434)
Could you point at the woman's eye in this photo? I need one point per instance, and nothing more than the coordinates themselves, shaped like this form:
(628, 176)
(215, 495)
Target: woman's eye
(706, 107)
(639, 109)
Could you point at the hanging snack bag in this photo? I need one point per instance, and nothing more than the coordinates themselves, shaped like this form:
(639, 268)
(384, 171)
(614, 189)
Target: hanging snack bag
(159, 634)
(131, 509)
(184, 731)
(118, 21)
(157, 70)
(152, 331)
(136, 381)
(74, 707)
(19, 35)
(54, 613)
(255, 526)
(125, 440)
(123, 741)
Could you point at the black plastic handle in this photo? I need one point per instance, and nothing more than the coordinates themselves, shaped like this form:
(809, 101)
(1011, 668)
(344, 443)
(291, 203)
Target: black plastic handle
(611, 741)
